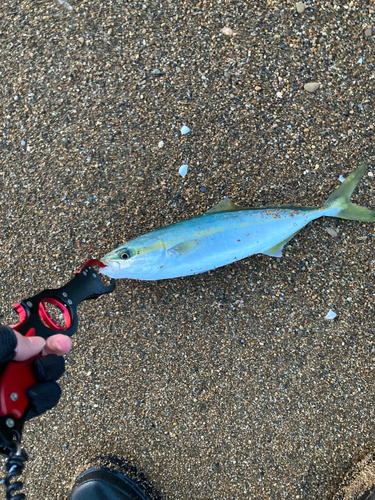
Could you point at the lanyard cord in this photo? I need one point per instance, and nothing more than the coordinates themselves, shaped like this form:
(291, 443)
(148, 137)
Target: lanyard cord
(14, 466)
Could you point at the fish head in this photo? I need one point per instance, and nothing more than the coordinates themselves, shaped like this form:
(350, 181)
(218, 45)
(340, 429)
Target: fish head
(135, 260)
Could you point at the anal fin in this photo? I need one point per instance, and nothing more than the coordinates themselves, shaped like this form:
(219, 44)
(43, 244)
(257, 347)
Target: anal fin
(277, 250)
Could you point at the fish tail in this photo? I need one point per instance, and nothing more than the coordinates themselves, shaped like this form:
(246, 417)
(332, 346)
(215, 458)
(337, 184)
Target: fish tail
(340, 199)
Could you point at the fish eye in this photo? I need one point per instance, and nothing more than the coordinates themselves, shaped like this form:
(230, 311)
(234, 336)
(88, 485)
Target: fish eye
(125, 255)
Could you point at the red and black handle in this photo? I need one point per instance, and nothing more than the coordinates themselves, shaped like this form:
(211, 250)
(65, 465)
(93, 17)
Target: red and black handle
(35, 319)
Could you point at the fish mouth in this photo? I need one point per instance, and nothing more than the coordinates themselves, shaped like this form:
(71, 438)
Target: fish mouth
(111, 268)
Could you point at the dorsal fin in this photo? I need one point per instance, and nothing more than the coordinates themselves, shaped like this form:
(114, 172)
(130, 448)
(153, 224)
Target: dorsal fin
(224, 206)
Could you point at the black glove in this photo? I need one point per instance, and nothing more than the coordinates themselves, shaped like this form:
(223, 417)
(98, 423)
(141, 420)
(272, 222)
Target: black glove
(47, 369)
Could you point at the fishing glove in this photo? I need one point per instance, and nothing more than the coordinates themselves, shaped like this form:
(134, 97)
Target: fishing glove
(47, 369)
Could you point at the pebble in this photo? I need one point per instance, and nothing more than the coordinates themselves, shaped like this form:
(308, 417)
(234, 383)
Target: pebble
(203, 189)
(368, 32)
(341, 178)
(156, 72)
(311, 86)
(331, 231)
(301, 7)
(23, 143)
(183, 170)
(161, 144)
(185, 130)
(257, 88)
(16, 97)
(227, 31)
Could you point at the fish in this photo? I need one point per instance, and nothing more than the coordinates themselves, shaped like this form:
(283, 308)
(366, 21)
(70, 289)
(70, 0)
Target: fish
(225, 234)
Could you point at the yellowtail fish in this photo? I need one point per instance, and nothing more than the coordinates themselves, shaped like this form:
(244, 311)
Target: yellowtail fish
(225, 234)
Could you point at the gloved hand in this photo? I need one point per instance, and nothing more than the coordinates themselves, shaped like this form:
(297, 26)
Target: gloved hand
(47, 368)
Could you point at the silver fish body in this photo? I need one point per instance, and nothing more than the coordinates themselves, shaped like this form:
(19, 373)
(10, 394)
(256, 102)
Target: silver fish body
(225, 234)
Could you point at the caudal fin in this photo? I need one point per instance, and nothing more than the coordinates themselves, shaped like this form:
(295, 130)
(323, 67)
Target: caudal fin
(340, 199)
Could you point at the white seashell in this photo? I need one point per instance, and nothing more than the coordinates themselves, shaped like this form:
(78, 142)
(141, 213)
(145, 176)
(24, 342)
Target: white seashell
(331, 315)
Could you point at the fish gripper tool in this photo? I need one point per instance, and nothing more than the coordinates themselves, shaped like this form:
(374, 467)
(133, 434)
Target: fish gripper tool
(35, 320)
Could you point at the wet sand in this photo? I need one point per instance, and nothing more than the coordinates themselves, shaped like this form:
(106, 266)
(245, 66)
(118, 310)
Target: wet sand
(230, 384)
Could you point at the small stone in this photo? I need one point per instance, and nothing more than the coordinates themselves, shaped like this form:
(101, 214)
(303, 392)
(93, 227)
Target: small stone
(227, 31)
(368, 32)
(109, 32)
(23, 144)
(257, 88)
(183, 170)
(341, 178)
(301, 7)
(16, 97)
(65, 141)
(360, 60)
(161, 144)
(331, 232)
(311, 86)
(185, 130)
(349, 299)
(156, 72)
(203, 189)
(81, 40)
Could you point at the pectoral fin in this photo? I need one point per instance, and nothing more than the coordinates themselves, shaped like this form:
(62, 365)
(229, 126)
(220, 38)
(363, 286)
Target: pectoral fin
(277, 250)
(224, 206)
(183, 248)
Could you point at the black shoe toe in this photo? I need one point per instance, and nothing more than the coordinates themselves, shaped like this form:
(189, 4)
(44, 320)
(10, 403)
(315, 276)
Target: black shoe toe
(105, 484)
